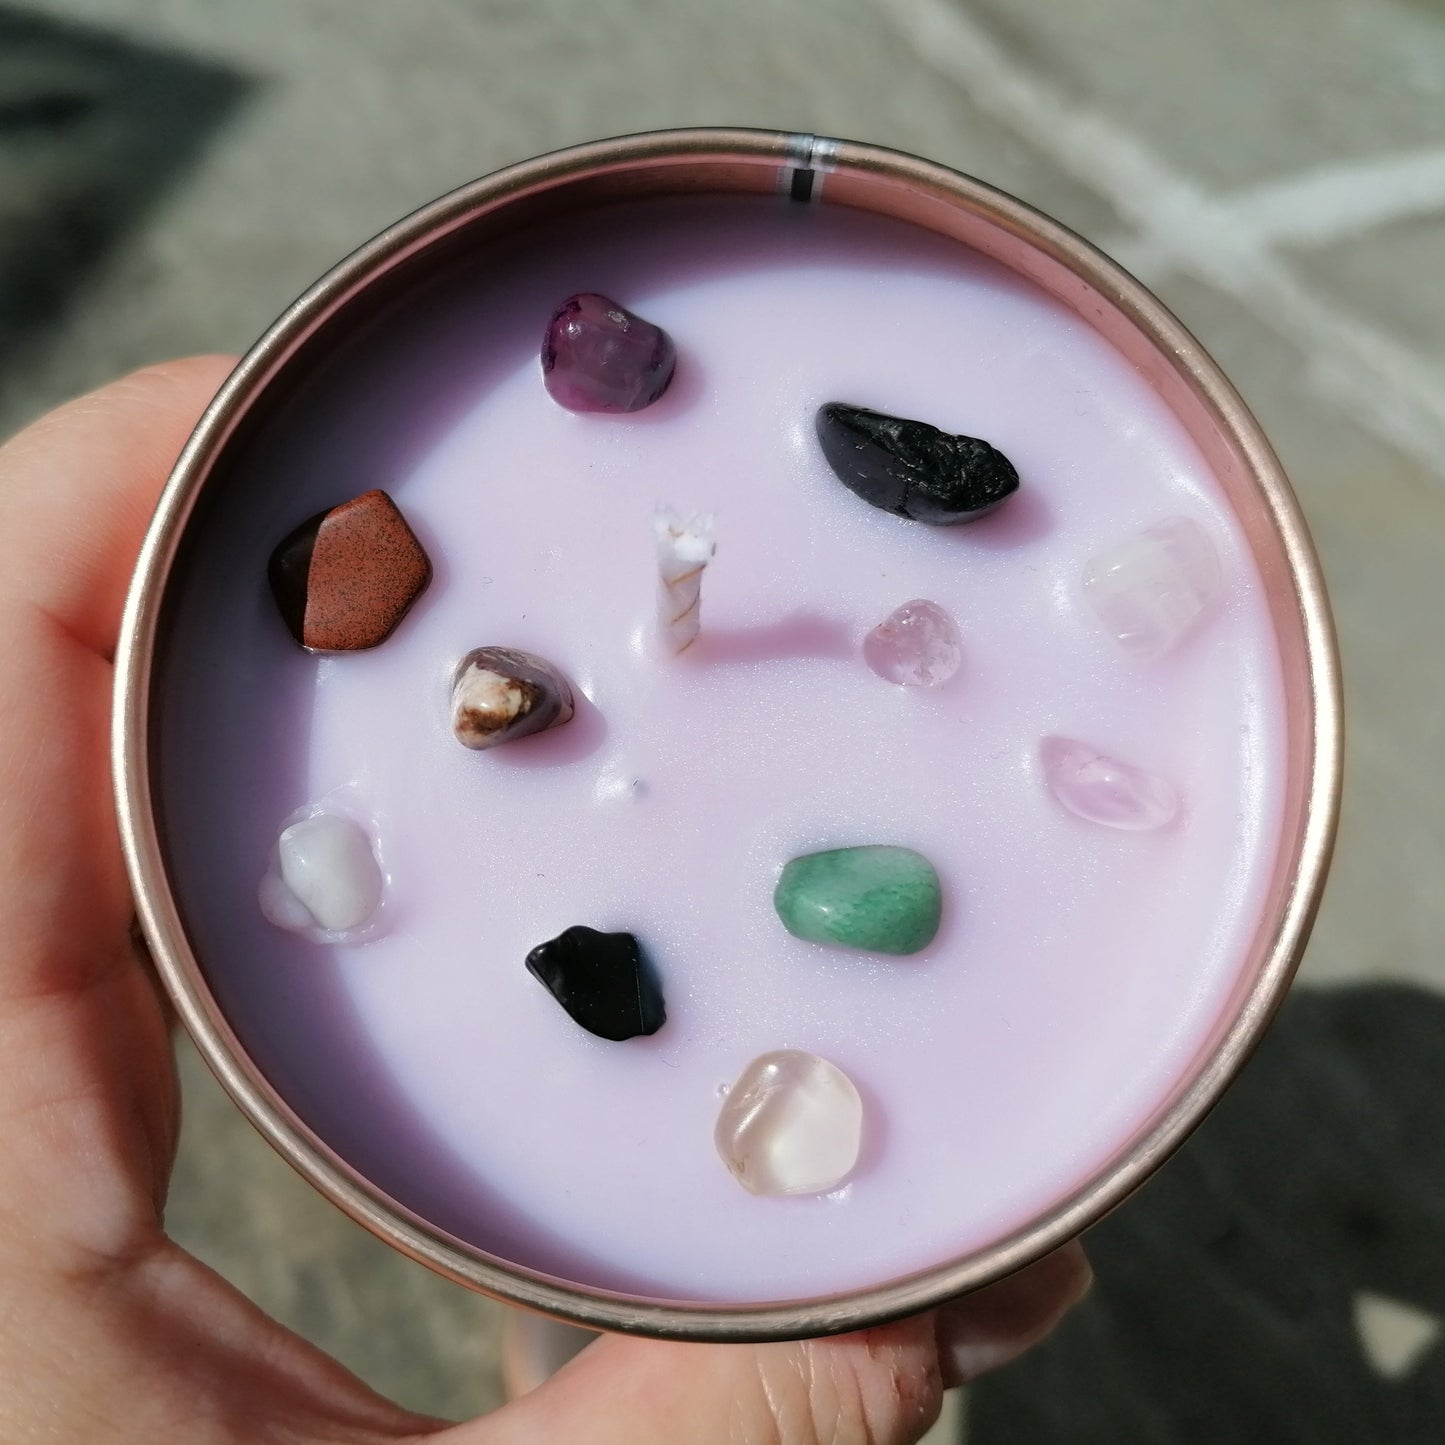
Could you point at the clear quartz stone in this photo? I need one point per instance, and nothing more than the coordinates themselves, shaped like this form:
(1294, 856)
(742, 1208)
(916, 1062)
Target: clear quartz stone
(1103, 790)
(1150, 589)
(324, 876)
(917, 645)
(791, 1124)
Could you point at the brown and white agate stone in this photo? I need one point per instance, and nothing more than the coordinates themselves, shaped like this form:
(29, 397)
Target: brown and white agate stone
(500, 694)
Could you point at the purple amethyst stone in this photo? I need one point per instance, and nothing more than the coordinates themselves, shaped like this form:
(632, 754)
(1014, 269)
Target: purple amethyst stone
(598, 357)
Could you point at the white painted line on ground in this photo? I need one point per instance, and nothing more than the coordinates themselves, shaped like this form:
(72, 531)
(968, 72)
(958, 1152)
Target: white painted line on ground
(1388, 388)
(1394, 1336)
(1337, 202)
(949, 1427)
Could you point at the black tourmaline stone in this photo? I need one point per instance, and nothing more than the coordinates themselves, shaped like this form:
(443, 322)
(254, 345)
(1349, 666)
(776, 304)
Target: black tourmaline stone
(912, 469)
(602, 980)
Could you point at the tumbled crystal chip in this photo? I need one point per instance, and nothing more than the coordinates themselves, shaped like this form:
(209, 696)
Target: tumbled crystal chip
(500, 694)
(597, 356)
(916, 645)
(792, 1124)
(346, 577)
(602, 980)
(912, 469)
(1103, 790)
(877, 898)
(1150, 589)
(324, 876)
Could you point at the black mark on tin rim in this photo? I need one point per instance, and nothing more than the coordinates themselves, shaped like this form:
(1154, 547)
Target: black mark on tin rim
(810, 157)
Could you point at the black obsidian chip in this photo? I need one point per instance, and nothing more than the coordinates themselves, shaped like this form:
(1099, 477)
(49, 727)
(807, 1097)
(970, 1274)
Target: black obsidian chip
(602, 980)
(912, 469)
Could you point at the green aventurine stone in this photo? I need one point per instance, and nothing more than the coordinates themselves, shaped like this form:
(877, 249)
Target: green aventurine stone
(884, 900)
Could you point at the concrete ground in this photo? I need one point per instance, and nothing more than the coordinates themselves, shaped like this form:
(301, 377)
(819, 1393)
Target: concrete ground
(172, 172)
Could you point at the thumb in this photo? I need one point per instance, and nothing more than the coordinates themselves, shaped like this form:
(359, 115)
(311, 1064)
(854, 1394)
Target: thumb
(881, 1387)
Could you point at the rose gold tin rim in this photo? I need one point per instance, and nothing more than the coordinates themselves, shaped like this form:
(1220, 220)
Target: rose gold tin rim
(910, 179)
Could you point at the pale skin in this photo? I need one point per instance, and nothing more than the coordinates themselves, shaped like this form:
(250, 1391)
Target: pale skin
(109, 1332)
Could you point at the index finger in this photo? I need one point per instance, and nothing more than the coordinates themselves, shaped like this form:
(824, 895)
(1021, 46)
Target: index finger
(77, 490)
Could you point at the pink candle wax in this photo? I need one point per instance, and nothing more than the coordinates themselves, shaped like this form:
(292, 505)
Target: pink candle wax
(1079, 969)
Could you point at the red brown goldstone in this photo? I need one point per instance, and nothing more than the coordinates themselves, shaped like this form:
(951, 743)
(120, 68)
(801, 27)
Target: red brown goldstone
(345, 578)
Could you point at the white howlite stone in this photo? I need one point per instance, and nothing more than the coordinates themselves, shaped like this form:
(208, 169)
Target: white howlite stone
(1150, 589)
(279, 905)
(324, 876)
(1103, 790)
(916, 645)
(791, 1124)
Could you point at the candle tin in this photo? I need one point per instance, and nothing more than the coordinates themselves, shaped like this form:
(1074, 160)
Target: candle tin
(804, 170)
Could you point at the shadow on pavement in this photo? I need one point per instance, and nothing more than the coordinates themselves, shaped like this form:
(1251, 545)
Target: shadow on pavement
(1225, 1304)
(93, 130)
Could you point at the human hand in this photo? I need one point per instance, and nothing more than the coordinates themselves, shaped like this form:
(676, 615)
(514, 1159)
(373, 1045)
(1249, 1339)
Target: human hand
(108, 1330)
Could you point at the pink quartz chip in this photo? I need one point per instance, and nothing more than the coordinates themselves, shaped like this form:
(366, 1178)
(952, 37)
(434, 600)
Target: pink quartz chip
(917, 645)
(1103, 790)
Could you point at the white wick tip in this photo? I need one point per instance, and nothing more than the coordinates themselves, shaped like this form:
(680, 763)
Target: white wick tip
(683, 539)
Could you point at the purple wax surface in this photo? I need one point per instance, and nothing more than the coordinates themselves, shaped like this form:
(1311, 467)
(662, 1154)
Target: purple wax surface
(1079, 970)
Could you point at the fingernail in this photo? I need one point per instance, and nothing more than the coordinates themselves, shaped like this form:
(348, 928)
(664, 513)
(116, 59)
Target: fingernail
(987, 1330)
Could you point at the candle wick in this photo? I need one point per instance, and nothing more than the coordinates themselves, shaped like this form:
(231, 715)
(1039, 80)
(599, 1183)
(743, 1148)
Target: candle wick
(685, 546)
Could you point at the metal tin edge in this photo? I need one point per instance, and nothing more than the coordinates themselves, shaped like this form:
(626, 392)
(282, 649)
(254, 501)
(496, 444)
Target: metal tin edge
(605, 1309)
